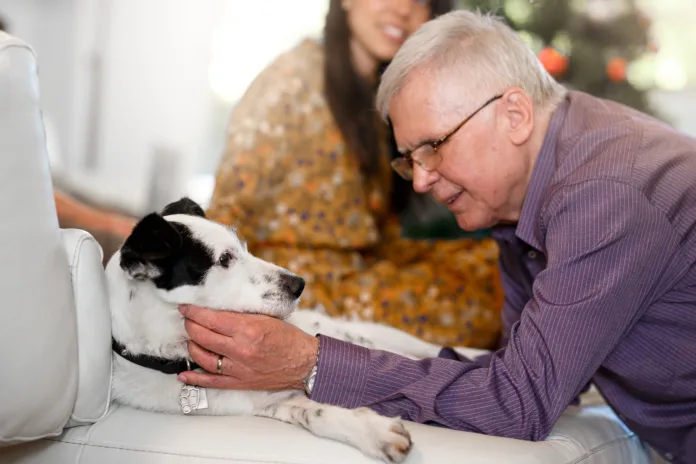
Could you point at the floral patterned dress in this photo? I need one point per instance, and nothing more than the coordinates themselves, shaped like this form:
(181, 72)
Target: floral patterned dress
(292, 189)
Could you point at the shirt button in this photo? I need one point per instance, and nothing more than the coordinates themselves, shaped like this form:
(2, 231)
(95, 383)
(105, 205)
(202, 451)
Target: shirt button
(532, 254)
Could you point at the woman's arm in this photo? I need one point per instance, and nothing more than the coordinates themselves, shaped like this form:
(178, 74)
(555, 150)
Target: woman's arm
(77, 214)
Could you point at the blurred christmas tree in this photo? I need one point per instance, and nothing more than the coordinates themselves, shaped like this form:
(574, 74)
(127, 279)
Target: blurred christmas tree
(587, 45)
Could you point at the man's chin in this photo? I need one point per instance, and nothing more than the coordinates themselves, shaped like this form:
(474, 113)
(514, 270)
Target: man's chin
(471, 224)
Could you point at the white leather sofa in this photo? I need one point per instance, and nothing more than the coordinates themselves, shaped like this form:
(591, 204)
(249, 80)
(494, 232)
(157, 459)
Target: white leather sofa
(55, 358)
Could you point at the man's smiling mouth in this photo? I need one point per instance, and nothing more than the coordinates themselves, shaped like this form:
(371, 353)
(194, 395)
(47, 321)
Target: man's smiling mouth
(453, 198)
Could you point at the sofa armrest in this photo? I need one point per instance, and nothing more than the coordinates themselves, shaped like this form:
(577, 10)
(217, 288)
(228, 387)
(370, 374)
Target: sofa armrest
(93, 326)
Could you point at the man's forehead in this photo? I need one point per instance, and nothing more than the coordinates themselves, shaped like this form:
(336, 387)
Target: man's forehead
(418, 90)
(414, 113)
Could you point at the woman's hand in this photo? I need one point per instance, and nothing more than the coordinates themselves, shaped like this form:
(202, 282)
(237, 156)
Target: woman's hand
(259, 352)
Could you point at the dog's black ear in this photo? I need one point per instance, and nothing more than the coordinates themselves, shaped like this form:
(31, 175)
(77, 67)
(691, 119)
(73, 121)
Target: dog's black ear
(152, 238)
(184, 206)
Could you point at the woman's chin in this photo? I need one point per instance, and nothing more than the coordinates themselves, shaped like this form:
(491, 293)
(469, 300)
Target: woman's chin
(385, 51)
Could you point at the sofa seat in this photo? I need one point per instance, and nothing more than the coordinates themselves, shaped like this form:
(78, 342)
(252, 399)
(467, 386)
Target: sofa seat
(591, 435)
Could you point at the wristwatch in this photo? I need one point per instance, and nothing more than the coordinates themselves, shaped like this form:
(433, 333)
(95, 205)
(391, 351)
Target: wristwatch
(309, 380)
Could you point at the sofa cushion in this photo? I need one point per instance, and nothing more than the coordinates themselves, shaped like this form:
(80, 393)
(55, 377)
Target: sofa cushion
(591, 436)
(93, 326)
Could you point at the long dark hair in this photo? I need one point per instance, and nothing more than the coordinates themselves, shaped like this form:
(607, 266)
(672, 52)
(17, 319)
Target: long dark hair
(349, 96)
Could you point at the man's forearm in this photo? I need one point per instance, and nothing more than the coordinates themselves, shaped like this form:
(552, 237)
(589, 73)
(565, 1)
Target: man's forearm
(440, 391)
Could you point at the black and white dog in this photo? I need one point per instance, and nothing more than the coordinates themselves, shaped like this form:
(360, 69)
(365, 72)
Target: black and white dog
(180, 257)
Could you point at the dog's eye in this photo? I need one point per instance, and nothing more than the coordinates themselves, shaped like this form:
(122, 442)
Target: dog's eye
(225, 259)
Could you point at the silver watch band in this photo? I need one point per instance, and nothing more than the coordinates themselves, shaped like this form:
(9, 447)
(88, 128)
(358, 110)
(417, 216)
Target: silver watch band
(309, 381)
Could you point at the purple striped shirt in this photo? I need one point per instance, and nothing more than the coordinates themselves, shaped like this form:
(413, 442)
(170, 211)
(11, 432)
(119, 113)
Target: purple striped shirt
(600, 287)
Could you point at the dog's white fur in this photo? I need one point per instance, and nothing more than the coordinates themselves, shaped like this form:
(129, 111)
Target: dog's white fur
(146, 320)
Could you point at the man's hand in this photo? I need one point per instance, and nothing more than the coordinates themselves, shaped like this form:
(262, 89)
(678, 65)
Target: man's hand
(259, 352)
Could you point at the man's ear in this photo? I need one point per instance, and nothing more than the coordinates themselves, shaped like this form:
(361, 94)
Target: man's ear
(184, 206)
(153, 238)
(520, 111)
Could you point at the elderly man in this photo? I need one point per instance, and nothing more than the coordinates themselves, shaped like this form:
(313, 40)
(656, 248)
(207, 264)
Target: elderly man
(594, 210)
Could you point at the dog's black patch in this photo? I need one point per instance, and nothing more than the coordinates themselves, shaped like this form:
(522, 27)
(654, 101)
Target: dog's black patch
(153, 238)
(268, 279)
(184, 206)
(189, 266)
(165, 252)
(318, 412)
(269, 295)
(253, 280)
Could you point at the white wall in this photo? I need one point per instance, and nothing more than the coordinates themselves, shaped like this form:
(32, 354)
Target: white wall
(679, 107)
(673, 31)
(155, 93)
(124, 79)
(47, 25)
(152, 94)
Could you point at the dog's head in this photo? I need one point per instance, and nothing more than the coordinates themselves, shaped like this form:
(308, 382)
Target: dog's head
(188, 259)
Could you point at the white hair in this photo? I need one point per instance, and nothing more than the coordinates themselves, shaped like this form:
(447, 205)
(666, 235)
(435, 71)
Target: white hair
(477, 48)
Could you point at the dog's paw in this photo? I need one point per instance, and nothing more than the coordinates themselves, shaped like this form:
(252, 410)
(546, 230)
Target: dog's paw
(397, 444)
(385, 438)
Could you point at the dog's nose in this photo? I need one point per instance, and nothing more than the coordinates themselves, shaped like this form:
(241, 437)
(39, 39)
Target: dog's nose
(293, 284)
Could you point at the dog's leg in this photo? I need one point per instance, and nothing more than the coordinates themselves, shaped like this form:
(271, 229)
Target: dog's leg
(368, 334)
(372, 335)
(388, 338)
(377, 436)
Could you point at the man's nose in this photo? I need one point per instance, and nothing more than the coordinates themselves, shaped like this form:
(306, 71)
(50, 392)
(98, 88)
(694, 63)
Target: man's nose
(423, 180)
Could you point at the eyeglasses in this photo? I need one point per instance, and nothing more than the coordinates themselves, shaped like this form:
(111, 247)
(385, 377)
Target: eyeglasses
(426, 155)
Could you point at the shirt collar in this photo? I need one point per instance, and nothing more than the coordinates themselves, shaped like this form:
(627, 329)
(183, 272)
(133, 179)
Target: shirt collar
(528, 226)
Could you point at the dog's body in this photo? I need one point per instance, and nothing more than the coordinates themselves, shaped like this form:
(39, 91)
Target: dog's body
(180, 257)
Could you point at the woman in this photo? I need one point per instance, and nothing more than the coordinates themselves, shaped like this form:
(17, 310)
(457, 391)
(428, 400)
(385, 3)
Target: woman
(306, 180)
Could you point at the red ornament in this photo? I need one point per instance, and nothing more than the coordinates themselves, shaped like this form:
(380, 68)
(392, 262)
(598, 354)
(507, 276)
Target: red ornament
(616, 69)
(554, 62)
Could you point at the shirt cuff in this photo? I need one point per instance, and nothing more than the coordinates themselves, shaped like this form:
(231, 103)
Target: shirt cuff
(341, 373)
